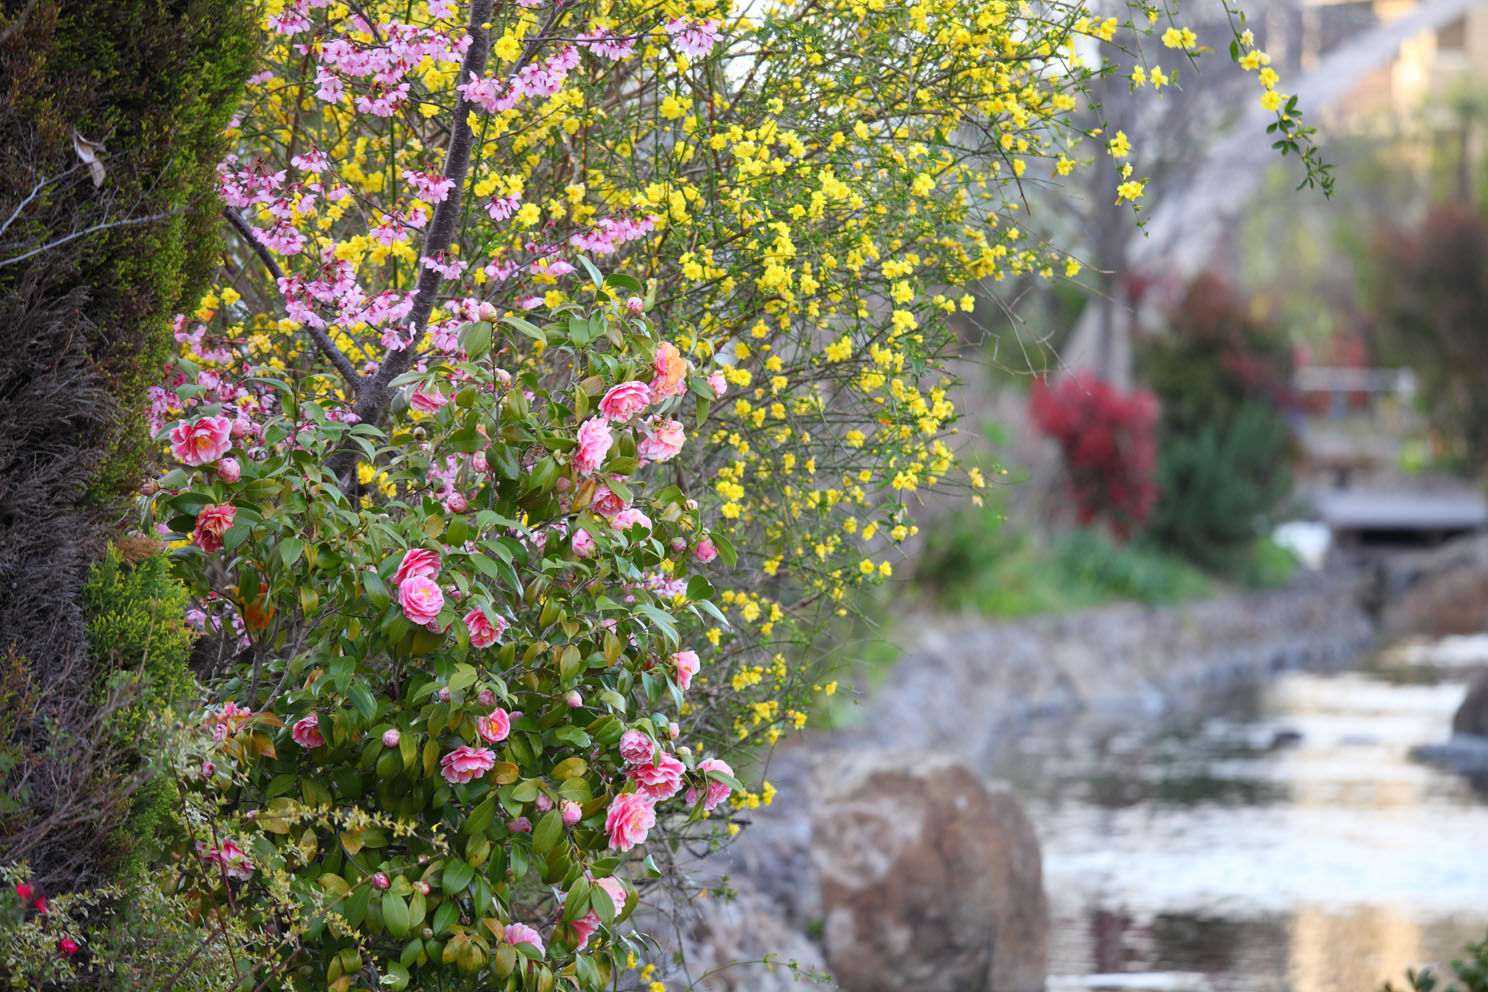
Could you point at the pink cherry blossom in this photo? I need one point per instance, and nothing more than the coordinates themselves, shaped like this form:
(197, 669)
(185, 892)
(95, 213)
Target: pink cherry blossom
(201, 442)
(421, 599)
(466, 764)
(631, 816)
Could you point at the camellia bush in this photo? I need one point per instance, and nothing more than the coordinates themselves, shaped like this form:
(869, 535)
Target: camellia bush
(574, 363)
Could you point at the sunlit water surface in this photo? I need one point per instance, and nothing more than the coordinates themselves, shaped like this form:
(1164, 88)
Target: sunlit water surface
(1280, 840)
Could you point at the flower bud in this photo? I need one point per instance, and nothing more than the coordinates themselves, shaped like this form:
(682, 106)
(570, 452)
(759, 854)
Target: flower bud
(423, 887)
(486, 698)
(573, 699)
(673, 731)
(635, 305)
(679, 544)
(380, 880)
(444, 695)
(229, 470)
(705, 551)
(391, 737)
(149, 488)
(571, 812)
(457, 503)
(692, 505)
(521, 825)
(67, 947)
(543, 802)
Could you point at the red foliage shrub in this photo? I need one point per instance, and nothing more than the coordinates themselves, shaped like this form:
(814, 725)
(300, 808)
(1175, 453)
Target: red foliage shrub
(1109, 443)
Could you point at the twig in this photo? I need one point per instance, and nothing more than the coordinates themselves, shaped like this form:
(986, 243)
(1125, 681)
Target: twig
(321, 338)
(108, 225)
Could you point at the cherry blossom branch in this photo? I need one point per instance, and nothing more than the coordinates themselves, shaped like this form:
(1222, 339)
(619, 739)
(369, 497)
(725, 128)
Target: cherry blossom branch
(372, 401)
(320, 337)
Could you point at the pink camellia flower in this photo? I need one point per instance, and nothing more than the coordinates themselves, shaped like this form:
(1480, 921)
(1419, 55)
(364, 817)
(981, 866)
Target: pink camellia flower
(606, 502)
(521, 933)
(211, 524)
(594, 444)
(630, 818)
(380, 880)
(521, 825)
(671, 371)
(717, 791)
(202, 442)
(427, 402)
(687, 666)
(420, 598)
(571, 812)
(243, 427)
(306, 731)
(623, 520)
(626, 400)
(616, 889)
(718, 383)
(484, 631)
(662, 441)
(417, 562)
(232, 719)
(635, 305)
(466, 763)
(636, 747)
(705, 551)
(390, 738)
(584, 928)
(229, 857)
(583, 544)
(229, 470)
(659, 779)
(494, 726)
(66, 947)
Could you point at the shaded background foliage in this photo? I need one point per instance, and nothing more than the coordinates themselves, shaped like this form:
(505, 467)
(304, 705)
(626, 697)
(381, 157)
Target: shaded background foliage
(85, 325)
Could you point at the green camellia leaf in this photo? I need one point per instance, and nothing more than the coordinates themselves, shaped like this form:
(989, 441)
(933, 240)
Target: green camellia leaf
(395, 914)
(547, 832)
(457, 875)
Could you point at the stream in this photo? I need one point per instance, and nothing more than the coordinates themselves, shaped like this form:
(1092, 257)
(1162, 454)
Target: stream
(1275, 840)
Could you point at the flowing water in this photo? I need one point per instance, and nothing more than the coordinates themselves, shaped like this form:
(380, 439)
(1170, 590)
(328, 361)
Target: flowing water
(1279, 841)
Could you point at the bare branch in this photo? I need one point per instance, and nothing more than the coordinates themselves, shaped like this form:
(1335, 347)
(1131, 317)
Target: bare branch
(320, 337)
(106, 226)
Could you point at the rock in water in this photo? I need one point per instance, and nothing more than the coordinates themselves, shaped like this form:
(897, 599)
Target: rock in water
(1472, 715)
(930, 877)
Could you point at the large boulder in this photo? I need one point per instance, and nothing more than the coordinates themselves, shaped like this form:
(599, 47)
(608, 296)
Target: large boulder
(930, 878)
(1472, 716)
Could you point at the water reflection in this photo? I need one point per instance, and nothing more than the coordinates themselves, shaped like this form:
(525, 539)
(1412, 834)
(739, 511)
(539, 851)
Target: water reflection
(1276, 840)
